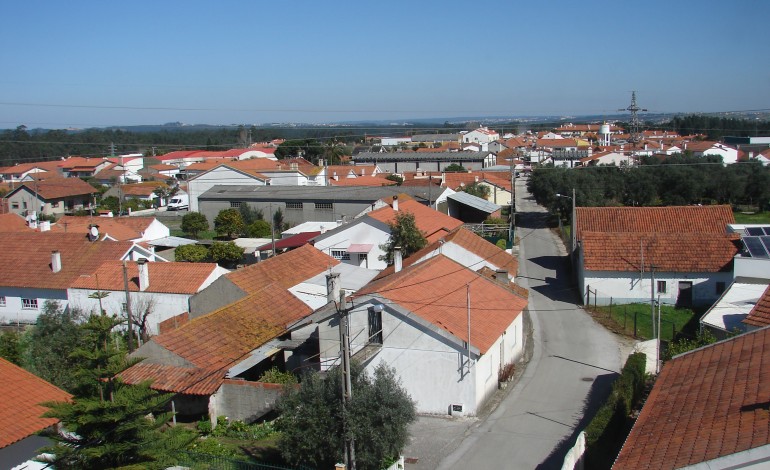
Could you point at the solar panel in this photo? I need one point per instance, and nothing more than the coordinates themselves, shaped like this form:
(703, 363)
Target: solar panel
(755, 231)
(767, 230)
(756, 247)
(766, 242)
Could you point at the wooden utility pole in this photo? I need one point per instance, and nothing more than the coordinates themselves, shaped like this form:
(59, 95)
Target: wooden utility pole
(347, 388)
(128, 307)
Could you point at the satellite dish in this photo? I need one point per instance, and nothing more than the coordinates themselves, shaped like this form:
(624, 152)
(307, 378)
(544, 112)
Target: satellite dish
(93, 233)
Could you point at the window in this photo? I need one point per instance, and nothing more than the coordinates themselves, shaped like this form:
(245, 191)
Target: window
(341, 255)
(661, 287)
(55, 204)
(294, 206)
(720, 288)
(235, 204)
(24, 205)
(14, 205)
(29, 304)
(363, 257)
(323, 206)
(2, 301)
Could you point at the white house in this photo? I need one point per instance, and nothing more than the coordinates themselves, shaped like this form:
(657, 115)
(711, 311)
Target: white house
(417, 322)
(607, 158)
(158, 291)
(222, 175)
(41, 266)
(136, 229)
(729, 155)
(684, 251)
(360, 242)
(482, 135)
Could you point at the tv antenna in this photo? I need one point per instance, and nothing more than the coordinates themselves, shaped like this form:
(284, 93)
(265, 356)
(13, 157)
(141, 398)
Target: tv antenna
(635, 123)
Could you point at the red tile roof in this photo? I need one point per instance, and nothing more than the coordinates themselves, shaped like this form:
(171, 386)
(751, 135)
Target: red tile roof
(672, 219)
(118, 228)
(432, 223)
(26, 258)
(20, 409)
(59, 188)
(435, 290)
(145, 188)
(166, 278)
(670, 252)
(497, 178)
(81, 163)
(12, 222)
(760, 314)
(706, 404)
(293, 241)
(25, 167)
(283, 271)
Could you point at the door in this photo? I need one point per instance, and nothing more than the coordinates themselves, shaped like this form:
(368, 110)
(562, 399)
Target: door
(375, 326)
(684, 298)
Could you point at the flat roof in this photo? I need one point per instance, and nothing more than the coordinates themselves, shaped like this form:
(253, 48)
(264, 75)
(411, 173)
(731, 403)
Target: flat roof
(735, 304)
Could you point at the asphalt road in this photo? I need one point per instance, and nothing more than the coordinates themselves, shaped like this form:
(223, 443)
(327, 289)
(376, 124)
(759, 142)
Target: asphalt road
(573, 363)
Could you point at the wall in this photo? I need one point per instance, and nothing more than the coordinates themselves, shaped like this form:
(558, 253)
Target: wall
(466, 258)
(13, 311)
(221, 176)
(241, 400)
(218, 294)
(362, 230)
(308, 213)
(626, 287)
(752, 267)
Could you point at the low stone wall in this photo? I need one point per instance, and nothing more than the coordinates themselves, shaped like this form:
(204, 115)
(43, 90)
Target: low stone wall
(241, 400)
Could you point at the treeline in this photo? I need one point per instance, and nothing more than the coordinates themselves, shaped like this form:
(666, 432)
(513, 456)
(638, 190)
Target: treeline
(679, 180)
(716, 128)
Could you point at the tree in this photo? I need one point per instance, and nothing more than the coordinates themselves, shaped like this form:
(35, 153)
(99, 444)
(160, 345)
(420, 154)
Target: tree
(405, 234)
(191, 253)
(314, 427)
(227, 254)
(278, 222)
(229, 222)
(10, 346)
(194, 223)
(258, 229)
(250, 214)
(477, 189)
(394, 177)
(454, 167)
(52, 341)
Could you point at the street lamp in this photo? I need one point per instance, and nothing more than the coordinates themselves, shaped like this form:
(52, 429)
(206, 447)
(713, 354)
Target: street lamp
(573, 241)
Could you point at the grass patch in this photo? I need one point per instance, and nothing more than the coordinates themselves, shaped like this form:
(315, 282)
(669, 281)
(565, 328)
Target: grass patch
(754, 218)
(620, 318)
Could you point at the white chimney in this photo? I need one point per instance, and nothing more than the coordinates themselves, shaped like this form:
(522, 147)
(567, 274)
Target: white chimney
(363, 172)
(55, 261)
(395, 203)
(335, 177)
(332, 287)
(501, 276)
(398, 261)
(144, 274)
(45, 226)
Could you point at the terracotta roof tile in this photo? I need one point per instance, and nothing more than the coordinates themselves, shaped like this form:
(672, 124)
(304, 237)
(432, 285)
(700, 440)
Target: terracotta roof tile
(12, 222)
(435, 290)
(58, 188)
(284, 271)
(431, 222)
(118, 228)
(145, 188)
(52, 165)
(681, 252)
(672, 219)
(760, 314)
(26, 258)
(706, 404)
(166, 278)
(20, 409)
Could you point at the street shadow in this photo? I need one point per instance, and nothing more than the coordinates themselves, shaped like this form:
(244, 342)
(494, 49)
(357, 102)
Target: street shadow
(597, 395)
(532, 220)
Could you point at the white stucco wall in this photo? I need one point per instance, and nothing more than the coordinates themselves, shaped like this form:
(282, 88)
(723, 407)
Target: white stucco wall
(221, 176)
(362, 230)
(635, 287)
(154, 231)
(13, 311)
(460, 255)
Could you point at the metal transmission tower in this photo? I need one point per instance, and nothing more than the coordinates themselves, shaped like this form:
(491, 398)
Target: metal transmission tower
(635, 124)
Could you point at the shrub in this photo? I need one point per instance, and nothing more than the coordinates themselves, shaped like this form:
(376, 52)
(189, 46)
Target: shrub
(501, 244)
(191, 253)
(275, 376)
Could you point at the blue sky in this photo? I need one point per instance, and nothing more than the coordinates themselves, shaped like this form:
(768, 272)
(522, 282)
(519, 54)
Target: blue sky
(88, 63)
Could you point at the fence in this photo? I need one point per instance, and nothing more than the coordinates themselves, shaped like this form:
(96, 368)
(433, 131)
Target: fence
(197, 461)
(634, 322)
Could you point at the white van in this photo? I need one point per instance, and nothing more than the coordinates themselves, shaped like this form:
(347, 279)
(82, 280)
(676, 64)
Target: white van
(179, 202)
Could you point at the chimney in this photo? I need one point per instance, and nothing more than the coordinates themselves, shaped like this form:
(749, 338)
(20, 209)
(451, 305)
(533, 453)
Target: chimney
(144, 274)
(363, 172)
(45, 226)
(398, 261)
(323, 229)
(335, 177)
(332, 287)
(55, 261)
(395, 203)
(501, 276)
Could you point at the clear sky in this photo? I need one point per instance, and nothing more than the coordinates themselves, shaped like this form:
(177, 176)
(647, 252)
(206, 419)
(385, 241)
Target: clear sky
(99, 63)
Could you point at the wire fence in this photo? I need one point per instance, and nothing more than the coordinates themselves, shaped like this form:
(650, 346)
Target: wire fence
(197, 461)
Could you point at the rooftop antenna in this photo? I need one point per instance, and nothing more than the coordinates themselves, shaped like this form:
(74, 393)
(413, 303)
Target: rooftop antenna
(635, 124)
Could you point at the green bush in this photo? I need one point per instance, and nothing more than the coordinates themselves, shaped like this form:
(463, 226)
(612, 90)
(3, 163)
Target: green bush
(275, 376)
(501, 244)
(608, 429)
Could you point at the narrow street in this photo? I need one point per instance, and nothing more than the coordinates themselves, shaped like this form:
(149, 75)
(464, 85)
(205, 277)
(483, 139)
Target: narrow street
(573, 363)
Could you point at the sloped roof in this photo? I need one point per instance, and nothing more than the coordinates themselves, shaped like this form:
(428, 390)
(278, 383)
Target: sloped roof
(760, 314)
(362, 181)
(166, 278)
(145, 188)
(26, 258)
(216, 341)
(12, 222)
(20, 409)
(454, 180)
(58, 188)
(293, 241)
(706, 404)
(474, 202)
(468, 240)
(431, 223)
(119, 228)
(81, 163)
(25, 167)
(435, 290)
(670, 252)
(283, 271)
(672, 219)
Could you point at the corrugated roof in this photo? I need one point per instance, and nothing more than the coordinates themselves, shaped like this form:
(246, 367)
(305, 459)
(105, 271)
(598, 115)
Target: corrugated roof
(20, 409)
(366, 194)
(706, 404)
(474, 201)
(435, 290)
(374, 157)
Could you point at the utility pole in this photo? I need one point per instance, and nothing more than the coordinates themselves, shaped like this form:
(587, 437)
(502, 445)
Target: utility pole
(272, 227)
(128, 307)
(468, 295)
(347, 388)
(511, 233)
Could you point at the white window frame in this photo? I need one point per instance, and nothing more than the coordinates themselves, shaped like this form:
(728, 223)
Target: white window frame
(294, 206)
(29, 304)
(663, 285)
(324, 206)
(2, 301)
(340, 255)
